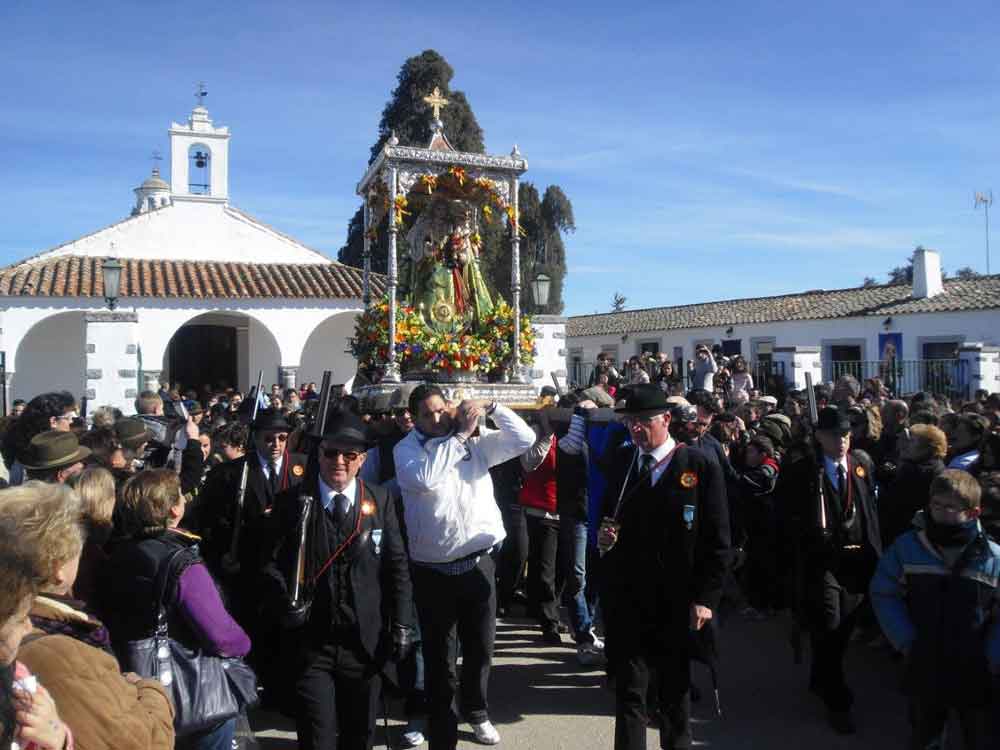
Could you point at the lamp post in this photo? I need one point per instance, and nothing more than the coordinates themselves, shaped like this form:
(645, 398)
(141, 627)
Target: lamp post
(111, 270)
(540, 288)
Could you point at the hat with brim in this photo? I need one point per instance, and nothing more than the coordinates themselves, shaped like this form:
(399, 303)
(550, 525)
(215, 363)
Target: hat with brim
(132, 432)
(643, 400)
(55, 449)
(832, 419)
(770, 400)
(347, 430)
(271, 420)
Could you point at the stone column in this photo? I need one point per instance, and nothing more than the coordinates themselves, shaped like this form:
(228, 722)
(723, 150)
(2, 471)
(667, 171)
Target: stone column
(287, 376)
(550, 343)
(366, 255)
(112, 362)
(798, 360)
(516, 374)
(980, 367)
(391, 374)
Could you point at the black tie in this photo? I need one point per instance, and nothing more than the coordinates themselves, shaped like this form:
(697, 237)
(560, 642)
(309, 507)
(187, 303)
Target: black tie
(842, 487)
(646, 462)
(340, 506)
(272, 477)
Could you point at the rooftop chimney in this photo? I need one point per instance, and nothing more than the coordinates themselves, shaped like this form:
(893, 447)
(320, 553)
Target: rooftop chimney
(926, 273)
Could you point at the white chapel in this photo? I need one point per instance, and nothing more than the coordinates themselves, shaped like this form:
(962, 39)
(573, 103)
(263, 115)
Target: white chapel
(207, 294)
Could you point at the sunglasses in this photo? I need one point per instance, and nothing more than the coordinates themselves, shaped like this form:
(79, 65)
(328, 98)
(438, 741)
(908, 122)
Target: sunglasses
(349, 456)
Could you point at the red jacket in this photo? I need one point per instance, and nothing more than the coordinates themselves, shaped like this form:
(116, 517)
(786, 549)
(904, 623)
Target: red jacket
(539, 490)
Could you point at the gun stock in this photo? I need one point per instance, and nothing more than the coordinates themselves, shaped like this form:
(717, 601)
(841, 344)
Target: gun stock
(232, 562)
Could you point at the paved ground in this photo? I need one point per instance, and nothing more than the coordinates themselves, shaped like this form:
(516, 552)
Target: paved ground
(541, 698)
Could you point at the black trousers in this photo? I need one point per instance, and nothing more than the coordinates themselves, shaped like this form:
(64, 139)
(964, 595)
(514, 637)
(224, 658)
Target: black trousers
(543, 544)
(929, 721)
(513, 554)
(337, 689)
(831, 634)
(462, 605)
(668, 672)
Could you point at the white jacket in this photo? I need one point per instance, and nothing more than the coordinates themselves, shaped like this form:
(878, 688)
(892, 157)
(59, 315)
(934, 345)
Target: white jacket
(448, 502)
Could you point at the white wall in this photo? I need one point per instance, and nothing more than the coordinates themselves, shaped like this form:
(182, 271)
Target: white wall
(51, 357)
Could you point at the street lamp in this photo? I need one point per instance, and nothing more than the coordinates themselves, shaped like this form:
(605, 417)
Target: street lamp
(540, 289)
(111, 270)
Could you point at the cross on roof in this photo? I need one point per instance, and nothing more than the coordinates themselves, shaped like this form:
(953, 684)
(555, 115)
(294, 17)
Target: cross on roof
(201, 93)
(157, 156)
(436, 101)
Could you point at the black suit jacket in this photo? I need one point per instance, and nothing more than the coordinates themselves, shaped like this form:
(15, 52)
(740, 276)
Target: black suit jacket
(672, 548)
(379, 567)
(218, 507)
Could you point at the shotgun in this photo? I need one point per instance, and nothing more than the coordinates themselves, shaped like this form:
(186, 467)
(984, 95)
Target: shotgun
(231, 561)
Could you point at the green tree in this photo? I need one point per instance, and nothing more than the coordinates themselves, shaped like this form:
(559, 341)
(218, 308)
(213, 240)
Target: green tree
(409, 116)
(545, 219)
(965, 273)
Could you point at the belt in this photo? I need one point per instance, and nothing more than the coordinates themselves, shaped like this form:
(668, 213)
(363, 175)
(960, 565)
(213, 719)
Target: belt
(456, 567)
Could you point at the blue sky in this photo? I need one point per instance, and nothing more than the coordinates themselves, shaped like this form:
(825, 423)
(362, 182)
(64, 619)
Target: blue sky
(711, 151)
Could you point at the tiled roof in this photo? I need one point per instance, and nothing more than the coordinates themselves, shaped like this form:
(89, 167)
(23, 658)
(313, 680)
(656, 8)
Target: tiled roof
(77, 276)
(895, 299)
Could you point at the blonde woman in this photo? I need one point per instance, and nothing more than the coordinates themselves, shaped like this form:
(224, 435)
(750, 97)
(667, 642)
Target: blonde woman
(95, 487)
(68, 650)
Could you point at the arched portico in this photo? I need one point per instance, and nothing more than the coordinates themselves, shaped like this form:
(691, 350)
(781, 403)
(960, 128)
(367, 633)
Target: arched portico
(327, 348)
(51, 356)
(219, 348)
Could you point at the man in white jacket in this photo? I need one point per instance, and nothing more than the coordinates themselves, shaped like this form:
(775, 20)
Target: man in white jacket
(453, 524)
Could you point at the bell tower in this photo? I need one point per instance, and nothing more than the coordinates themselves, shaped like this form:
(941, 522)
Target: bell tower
(199, 157)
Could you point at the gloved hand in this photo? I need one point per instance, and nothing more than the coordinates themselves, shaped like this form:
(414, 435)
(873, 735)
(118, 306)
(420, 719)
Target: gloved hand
(402, 642)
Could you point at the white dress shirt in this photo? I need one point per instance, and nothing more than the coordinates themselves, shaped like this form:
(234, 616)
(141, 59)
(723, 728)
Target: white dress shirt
(831, 470)
(658, 455)
(266, 466)
(448, 501)
(327, 493)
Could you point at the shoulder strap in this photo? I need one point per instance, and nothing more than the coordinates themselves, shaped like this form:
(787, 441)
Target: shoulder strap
(160, 584)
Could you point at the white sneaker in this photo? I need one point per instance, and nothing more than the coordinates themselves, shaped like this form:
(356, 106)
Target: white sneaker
(413, 734)
(486, 733)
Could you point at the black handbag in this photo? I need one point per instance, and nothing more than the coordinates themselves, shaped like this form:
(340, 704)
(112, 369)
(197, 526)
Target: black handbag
(206, 690)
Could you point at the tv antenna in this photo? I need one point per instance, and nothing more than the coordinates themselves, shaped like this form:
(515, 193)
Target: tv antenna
(985, 200)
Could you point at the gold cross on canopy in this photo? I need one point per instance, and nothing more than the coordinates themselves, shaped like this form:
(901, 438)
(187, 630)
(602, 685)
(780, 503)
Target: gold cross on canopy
(436, 101)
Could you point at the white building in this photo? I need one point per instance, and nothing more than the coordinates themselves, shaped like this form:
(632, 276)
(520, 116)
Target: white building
(928, 324)
(208, 294)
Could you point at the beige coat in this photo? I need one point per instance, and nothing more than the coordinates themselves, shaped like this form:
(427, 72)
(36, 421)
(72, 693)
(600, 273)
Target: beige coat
(103, 709)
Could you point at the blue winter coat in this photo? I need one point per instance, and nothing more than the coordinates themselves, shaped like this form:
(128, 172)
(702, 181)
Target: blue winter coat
(944, 620)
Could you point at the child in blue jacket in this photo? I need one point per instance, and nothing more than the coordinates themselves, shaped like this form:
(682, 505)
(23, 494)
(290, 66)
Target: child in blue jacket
(935, 596)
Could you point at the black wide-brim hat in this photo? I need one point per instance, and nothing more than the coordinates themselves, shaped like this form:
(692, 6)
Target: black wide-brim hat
(271, 420)
(833, 420)
(132, 432)
(643, 400)
(347, 429)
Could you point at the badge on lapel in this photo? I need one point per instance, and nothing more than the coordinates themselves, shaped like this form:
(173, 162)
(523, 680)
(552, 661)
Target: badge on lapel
(860, 471)
(367, 508)
(377, 540)
(298, 470)
(688, 515)
(688, 480)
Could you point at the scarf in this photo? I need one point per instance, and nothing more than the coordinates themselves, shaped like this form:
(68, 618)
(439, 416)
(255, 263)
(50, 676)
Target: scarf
(951, 534)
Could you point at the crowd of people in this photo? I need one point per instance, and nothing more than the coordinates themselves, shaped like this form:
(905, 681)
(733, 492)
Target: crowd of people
(358, 552)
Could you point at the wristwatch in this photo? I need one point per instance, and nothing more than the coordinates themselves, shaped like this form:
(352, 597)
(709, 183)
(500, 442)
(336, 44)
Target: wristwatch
(492, 408)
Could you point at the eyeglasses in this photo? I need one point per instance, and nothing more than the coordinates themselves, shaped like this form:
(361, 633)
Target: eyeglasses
(280, 437)
(638, 421)
(349, 456)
